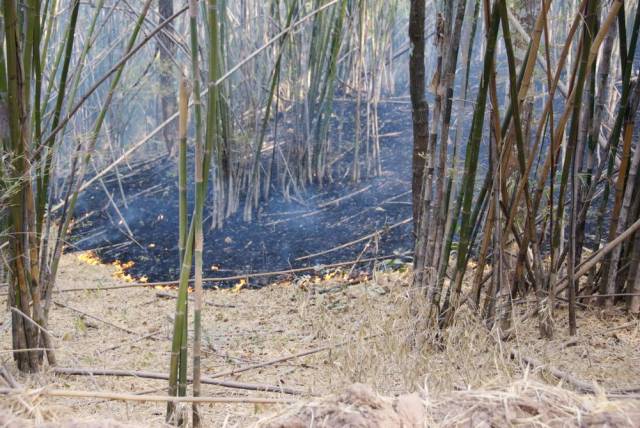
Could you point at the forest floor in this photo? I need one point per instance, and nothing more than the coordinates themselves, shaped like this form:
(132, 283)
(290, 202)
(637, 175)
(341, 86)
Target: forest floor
(130, 329)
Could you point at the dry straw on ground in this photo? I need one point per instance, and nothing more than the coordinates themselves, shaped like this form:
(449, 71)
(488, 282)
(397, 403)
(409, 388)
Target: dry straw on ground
(129, 329)
(523, 403)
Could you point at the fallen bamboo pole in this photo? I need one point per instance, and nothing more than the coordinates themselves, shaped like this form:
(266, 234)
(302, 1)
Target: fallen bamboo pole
(134, 397)
(279, 360)
(162, 376)
(164, 295)
(210, 379)
(364, 238)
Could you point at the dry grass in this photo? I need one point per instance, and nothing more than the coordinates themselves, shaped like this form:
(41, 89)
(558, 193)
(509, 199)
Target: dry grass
(252, 326)
(522, 403)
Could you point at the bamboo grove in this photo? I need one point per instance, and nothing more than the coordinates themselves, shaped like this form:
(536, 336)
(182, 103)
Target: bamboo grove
(554, 216)
(525, 155)
(76, 89)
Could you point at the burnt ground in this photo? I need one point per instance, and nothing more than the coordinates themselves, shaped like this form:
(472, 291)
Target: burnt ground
(280, 233)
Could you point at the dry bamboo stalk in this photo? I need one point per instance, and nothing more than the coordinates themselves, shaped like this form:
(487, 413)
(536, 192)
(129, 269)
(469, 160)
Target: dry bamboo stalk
(557, 138)
(173, 117)
(342, 198)
(598, 255)
(162, 376)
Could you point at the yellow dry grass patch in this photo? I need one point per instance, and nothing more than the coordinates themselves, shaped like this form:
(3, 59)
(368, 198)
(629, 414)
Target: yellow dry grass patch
(247, 326)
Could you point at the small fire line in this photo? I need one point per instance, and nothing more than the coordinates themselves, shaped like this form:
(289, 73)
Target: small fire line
(244, 276)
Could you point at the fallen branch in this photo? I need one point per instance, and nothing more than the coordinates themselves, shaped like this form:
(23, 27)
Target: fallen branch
(210, 379)
(137, 339)
(342, 198)
(278, 360)
(364, 238)
(162, 376)
(6, 375)
(134, 397)
(579, 384)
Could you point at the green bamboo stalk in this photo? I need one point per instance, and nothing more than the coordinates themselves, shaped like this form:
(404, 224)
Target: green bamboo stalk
(48, 26)
(326, 103)
(570, 160)
(253, 191)
(37, 72)
(54, 70)
(183, 105)
(43, 183)
(201, 152)
(471, 158)
(441, 204)
(177, 365)
(31, 25)
(24, 334)
(183, 100)
(454, 209)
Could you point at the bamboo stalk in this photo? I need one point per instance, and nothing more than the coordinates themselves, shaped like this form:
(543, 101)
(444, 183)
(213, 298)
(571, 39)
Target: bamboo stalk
(178, 362)
(471, 160)
(626, 59)
(202, 150)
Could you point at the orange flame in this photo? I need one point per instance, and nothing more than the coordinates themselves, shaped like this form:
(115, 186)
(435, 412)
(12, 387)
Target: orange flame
(90, 258)
(121, 268)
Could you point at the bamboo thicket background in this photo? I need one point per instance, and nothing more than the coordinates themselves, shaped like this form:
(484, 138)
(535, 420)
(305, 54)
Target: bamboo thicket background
(554, 214)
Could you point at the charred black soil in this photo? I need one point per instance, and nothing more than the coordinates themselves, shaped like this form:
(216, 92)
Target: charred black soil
(282, 233)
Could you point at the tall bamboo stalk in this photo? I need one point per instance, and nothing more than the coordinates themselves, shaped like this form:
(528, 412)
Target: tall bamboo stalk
(471, 160)
(626, 58)
(178, 362)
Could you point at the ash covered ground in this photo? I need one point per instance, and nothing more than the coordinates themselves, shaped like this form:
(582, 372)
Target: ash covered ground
(281, 232)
